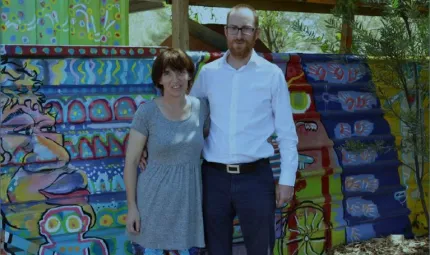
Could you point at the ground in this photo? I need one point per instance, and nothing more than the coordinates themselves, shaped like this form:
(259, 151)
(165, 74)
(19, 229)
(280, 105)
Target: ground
(392, 245)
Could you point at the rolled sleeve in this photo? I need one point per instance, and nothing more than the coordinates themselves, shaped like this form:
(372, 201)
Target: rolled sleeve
(285, 130)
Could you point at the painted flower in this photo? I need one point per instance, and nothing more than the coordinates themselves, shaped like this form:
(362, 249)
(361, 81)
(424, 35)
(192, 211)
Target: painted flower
(22, 27)
(106, 220)
(73, 224)
(25, 39)
(54, 1)
(13, 17)
(53, 224)
(58, 27)
(6, 2)
(117, 35)
(102, 11)
(4, 16)
(109, 7)
(71, 11)
(103, 39)
(40, 14)
(118, 16)
(3, 27)
(21, 15)
(89, 11)
(91, 36)
(122, 219)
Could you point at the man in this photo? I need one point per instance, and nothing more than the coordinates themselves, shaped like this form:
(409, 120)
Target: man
(249, 100)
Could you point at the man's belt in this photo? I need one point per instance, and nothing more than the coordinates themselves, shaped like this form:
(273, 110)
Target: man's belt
(238, 168)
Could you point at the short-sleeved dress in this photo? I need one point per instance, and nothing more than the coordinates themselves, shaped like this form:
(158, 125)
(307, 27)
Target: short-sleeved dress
(169, 191)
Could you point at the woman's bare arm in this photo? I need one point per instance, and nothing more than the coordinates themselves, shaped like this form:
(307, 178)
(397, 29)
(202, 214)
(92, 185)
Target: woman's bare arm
(136, 143)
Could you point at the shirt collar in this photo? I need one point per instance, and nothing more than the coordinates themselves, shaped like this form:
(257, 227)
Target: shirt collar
(255, 58)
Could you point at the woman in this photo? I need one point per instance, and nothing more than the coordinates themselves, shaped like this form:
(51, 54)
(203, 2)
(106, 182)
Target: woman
(164, 203)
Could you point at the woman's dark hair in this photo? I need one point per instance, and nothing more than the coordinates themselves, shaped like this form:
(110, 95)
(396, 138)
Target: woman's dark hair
(176, 60)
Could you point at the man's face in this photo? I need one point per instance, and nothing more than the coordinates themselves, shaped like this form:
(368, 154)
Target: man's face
(241, 44)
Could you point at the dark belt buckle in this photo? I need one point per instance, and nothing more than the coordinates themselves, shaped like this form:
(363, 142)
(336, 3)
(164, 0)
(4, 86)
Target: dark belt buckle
(233, 169)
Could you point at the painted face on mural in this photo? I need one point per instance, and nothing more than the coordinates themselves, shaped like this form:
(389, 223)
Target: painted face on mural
(30, 142)
(241, 42)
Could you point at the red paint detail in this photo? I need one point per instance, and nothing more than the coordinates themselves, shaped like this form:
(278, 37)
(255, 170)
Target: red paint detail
(74, 153)
(130, 102)
(113, 142)
(105, 105)
(64, 52)
(101, 143)
(59, 109)
(82, 142)
(81, 106)
(268, 56)
(294, 58)
(294, 69)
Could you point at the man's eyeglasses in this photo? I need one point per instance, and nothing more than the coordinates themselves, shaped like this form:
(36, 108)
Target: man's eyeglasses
(234, 30)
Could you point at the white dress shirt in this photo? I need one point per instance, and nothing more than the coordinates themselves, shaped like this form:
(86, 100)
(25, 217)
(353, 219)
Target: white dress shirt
(246, 107)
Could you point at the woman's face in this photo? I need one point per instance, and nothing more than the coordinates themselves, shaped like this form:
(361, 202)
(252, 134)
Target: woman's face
(175, 83)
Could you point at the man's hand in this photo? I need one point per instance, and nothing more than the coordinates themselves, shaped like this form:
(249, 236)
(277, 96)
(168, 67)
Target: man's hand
(143, 158)
(284, 194)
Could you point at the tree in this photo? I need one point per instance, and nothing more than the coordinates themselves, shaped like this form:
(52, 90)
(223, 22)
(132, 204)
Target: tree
(273, 27)
(150, 28)
(398, 52)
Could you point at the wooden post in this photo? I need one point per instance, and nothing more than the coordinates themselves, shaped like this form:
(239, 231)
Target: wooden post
(346, 36)
(180, 31)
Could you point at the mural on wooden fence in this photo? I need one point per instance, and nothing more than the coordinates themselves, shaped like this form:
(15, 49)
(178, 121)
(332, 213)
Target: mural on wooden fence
(64, 22)
(64, 132)
(407, 176)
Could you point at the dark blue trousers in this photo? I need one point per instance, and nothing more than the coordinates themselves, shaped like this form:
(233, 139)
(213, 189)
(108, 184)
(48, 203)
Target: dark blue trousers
(250, 196)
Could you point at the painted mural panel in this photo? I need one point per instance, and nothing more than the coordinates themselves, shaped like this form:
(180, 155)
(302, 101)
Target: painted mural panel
(373, 204)
(64, 132)
(396, 98)
(64, 22)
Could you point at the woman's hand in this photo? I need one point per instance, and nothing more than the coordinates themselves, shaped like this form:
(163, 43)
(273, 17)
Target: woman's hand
(133, 221)
(143, 160)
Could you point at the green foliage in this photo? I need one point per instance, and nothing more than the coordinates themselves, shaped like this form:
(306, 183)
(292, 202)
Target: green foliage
(356, 146)
(273, 30)
(326, 43)
(196, 15)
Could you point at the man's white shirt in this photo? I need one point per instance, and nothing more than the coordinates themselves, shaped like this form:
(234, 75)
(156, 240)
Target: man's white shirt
(246, 107)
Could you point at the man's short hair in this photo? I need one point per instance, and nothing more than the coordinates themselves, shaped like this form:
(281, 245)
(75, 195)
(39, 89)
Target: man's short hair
(245, 6)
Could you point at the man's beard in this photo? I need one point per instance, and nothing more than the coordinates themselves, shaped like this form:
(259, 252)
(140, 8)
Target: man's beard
(244, 52)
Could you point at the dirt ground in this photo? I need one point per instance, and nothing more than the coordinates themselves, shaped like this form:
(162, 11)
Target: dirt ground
(392, 245)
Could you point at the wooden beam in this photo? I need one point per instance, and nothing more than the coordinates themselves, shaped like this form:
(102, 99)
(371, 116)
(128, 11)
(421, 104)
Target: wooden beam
(139, 5)
(180, 31)
(308, 6)
(207, 35)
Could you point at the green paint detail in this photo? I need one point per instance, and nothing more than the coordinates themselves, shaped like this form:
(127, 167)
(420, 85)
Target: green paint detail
(65, 22)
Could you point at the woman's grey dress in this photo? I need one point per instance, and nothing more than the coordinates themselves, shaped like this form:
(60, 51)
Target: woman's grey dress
(169, 191)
